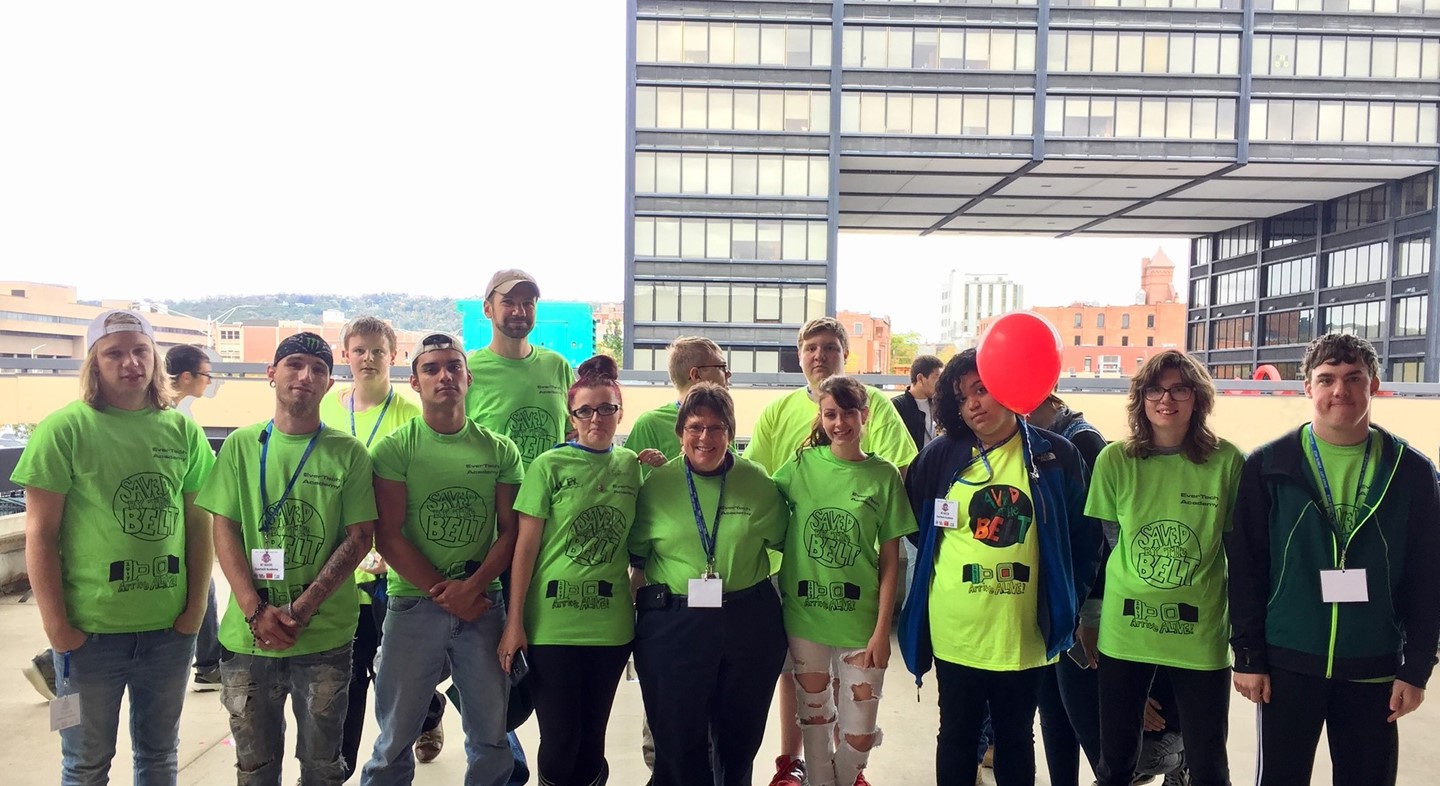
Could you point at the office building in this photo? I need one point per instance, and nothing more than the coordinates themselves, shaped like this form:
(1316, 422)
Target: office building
(967, 300)
(49, 321)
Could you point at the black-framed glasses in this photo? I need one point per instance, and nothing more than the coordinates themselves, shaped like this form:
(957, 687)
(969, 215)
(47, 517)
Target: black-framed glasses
(697, 430)
(724, 367)
(204, 374)
(604, 410)
(1177, 392)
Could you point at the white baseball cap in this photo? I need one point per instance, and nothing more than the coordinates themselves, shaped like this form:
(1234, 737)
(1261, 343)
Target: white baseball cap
(432, 342)
(116, 320)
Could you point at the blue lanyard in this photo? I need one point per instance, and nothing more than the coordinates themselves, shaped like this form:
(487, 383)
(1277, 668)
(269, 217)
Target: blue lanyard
(1325, 479)
(983, 458)
(269, 513)
(707, 538)
(383, 410)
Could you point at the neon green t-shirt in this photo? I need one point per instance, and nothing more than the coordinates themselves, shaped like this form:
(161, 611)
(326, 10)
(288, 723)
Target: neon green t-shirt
(830, 578)
(1342, 469)
(580, 590)
(785, 423)
(522, 399)
(450, 482)
(752, 518)
(1165, 583)
(984, 599)
(655, 429)
(335, 411)
(335, 491)
(124, 475)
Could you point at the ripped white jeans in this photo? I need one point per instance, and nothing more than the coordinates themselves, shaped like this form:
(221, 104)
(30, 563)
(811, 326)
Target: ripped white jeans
(837, 722)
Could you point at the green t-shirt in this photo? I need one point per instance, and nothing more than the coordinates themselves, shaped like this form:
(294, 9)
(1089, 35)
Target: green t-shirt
(124, 475)
(752, 519)
(1165, 583)
(830, 578)
(984, 599)
(450, 482)
(335, 412)
(580, 590)
(335, 490)
(1342, 469)
(522, 399)
(655, 429)
(784, 425)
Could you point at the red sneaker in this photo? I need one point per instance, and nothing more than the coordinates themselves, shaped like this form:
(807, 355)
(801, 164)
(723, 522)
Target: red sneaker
(788, 772)
(860, 780)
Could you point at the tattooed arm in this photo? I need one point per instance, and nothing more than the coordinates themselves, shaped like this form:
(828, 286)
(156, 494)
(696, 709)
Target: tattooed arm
(339, 570)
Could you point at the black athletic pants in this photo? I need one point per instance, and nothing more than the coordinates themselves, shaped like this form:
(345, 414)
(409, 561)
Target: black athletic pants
(963, 693)
(573, 689)
(1364, 748)
(1202, 699)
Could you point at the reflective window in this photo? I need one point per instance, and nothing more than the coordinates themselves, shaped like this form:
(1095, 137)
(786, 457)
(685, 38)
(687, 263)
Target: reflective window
(1288, 327)
(1410, 316)
(730, 238)
(725, 109)
(1412, 257)
(1292, 227)
(725, 174)
(1232, 371)
(1356, 210)
(1239, 240)
(1356, 265)
(1112, 52)
(1288, 278)
(1200, 293)
(1225, 4)
(1203, 250)
(1140, 118)
(1195, 336)
(699, 42)
(1388, 122)
(1365, 320)
(724, 302)
(1407, 371)
(939, 49)
(1417, 194)
(1352, 6)
(928, 114)
(1235, 287)
(1362, 57)
(1234, 333)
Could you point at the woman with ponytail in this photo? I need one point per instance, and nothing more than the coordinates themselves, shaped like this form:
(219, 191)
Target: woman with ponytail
(569, 576)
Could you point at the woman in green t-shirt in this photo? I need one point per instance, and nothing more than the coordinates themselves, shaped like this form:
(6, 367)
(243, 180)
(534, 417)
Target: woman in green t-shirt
(569, 575)
(848, 542)
(709, 640)
(1165, 496)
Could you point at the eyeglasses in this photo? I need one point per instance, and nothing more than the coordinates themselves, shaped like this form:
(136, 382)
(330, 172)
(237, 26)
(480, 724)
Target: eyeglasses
(724, 367)
(1177, 392)
(604, 410)
(204, 374)
(697, 430)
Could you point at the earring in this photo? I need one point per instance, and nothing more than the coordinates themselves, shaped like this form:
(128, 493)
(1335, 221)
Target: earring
(272, 383)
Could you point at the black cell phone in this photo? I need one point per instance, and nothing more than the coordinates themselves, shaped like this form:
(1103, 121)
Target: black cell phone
(519, 667)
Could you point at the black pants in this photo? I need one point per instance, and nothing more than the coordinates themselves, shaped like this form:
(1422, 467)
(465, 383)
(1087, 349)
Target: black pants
(1062, 743)
(707, 677)
(1202, 699)
(963, 693)
(1364, 748)
(1080, 692)
(362, 673)
(573, 689)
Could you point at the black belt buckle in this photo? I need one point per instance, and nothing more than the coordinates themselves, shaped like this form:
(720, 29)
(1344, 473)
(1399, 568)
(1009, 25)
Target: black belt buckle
(652, 597)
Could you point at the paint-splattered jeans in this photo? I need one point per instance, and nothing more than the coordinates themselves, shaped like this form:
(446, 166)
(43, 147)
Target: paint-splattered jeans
(254, 691)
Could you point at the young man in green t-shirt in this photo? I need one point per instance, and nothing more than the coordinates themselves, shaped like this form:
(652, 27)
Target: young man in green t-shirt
(1334, 578)
(446, 490)
(520, 390)
(692, 359)
(294, 515)
(117, 552)
(822, 345)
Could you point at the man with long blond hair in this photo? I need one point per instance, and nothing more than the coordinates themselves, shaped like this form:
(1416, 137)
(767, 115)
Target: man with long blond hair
(118, 553)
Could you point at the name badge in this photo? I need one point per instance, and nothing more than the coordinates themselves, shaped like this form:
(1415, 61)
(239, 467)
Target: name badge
(65, 712)
(268, 564)
(705, 593)
(1344, 586)
(947, 513)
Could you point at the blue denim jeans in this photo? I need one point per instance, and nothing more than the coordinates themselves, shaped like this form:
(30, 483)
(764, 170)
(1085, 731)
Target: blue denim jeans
(154, 666)
(207, 643)
(253, 690)
(420, 640)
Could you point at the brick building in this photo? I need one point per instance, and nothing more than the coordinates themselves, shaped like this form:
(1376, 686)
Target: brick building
(869, 342)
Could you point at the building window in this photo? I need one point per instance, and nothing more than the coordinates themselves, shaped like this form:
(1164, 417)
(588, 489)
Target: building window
(1412, 257)
(694, 42)
(1149, 341)
(1234, 333)
(1288, 278)
(1365, 320)
(1124, 341)
(1124, 321)
(1288, 327)
(1356, 265)
(939, 49)
(725, 174)
(1087, 365)
(727, 109)
(1293, 227)
(1143, 53)
(1410, 316)
(1200, 293)
(1195, 337)
(1109, 117)
(1232, 371)
(1407, 371)
(1361, 57)
(858, 329)
(1078, 321)
(1100, 321)
(1099, 341)
(1358, 210)
(1203, 250)
(726, 238)
(1380, 122)
(1235, 287)
(931, 114)
(1077, 341)
(1239, 240)
(1150, 321)
(1417, 194)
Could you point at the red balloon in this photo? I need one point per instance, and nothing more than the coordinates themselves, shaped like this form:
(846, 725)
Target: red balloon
(1019, 360)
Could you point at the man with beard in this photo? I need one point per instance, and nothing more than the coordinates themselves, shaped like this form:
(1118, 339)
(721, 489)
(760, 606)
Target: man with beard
(294, 513)
(520, 388)
(445, 487)
(783, 426)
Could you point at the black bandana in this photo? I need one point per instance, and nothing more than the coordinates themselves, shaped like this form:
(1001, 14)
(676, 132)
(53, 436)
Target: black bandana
(305, 344)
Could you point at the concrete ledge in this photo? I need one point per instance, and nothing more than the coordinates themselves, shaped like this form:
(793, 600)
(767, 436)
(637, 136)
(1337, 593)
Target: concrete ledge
(12, 551)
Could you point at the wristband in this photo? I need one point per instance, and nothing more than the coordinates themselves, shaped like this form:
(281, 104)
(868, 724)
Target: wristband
(259, 609)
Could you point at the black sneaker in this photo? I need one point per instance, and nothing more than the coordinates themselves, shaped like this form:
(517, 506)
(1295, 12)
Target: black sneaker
(41, 674)
(206, 680)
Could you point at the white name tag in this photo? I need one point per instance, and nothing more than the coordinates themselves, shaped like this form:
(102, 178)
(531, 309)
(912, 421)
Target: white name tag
(705, 593)
(1344, 586)
(65, 712)
(268, 564)
(947, 514)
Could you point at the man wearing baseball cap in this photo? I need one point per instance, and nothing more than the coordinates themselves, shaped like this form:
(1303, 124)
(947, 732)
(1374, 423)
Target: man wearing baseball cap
(294, 514)
(445, 487)
(519, 388)
(118, 552)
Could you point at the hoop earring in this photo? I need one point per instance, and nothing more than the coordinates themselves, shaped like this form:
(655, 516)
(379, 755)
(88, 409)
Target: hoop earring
(272, 383)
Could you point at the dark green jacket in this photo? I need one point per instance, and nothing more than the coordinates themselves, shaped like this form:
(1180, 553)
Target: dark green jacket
(1282, 539)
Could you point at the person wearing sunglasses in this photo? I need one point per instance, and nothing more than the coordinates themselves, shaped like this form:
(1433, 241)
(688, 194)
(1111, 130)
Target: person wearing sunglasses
(709, 640)
(569, 575)
(1005, 554)
(1165, 497)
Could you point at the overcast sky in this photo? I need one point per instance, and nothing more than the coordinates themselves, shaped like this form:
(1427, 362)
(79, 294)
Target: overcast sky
(178, 149)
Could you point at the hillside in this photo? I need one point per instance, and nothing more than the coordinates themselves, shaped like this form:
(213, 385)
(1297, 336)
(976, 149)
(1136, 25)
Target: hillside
(409, 312)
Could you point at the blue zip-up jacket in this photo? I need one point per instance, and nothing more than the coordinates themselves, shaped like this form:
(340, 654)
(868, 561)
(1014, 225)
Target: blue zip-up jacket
(1069, 540)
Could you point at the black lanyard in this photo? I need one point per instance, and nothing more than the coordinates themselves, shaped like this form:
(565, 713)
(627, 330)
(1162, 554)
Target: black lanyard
(707, 538)
(269, 513)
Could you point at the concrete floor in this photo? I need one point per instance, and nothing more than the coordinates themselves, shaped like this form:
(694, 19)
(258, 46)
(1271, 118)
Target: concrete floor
(31, 754)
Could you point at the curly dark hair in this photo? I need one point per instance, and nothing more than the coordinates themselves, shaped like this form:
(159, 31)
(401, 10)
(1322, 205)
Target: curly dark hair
(947, 400)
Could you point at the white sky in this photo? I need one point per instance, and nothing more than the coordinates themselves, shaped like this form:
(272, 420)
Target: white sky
(179, 149)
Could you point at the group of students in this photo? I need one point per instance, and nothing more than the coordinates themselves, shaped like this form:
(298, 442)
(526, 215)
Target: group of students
(724, 575)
